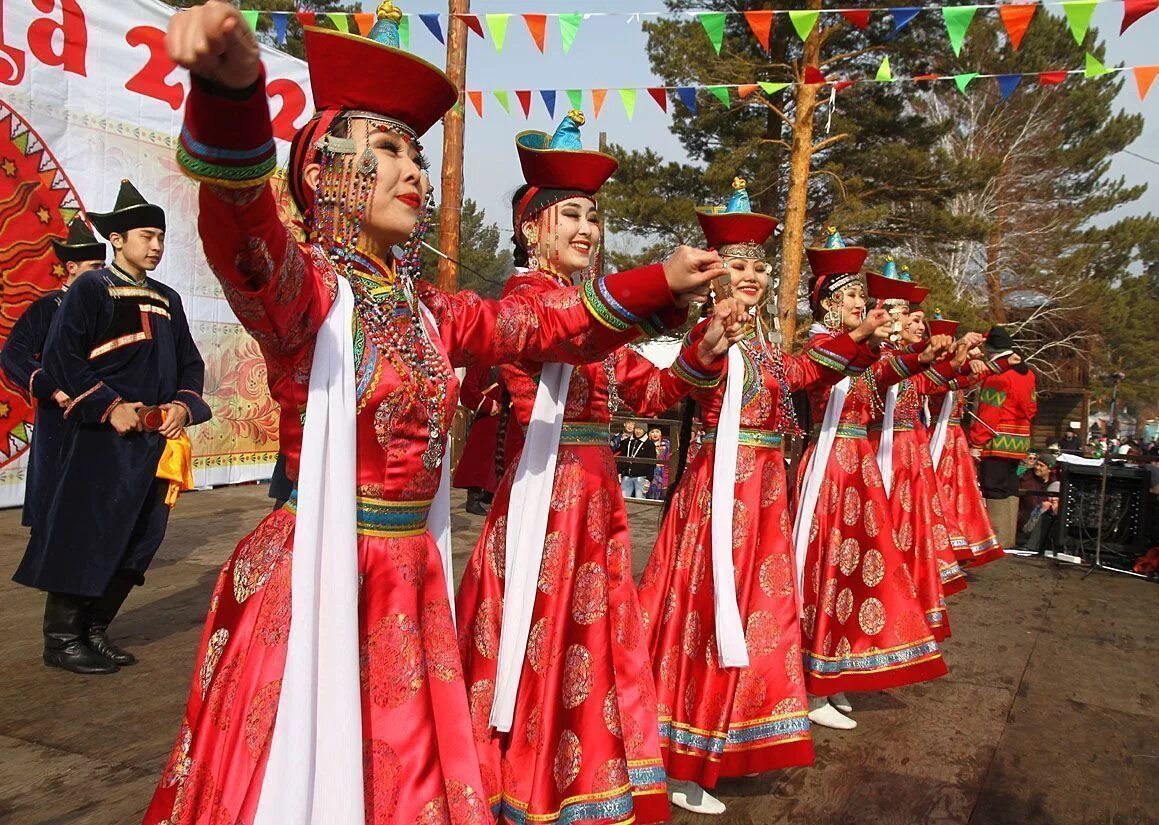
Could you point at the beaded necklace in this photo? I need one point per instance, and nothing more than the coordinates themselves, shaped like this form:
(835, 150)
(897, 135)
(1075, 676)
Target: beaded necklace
(773, 360)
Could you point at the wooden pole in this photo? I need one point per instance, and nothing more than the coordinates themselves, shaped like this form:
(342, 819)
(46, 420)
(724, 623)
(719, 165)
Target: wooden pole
(450, 213)
(796, 203)
(600, 266)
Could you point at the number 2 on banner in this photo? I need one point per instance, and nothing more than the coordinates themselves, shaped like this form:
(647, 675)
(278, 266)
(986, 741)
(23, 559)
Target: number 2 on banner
(293, 105)
(151, 80)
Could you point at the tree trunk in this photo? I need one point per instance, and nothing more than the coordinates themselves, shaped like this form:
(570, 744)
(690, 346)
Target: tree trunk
(994, 297)
(453, 125)
(796, 202)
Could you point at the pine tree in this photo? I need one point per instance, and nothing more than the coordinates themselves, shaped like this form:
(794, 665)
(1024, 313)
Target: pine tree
(485, 267)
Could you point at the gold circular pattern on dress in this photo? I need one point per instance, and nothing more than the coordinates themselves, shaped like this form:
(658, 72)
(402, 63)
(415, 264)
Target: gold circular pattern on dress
(612, 712)
(871, 616)
(256, 557)
(746, 463)
(870, 472)
(213, 650)
(439, 644)
(533, 727)
(558, 561)
(577, 676)
(628, 625)
(776, 575)
(589, 598)
(750, 691)
(612, 775)
(872, 567)
(381, 772)
(905, 494)
(568, 756)
(434, 813)
(488, 619)
(690, 635)
(762, 633)
(843, 648)
(793, 666)
(871, 518)
(541, 652)
(619, 561)
(392, 661)
(848, 556)
(570, 478)
(480, 700)
(772, 483)
(844, 605)
(259, 719)
(846, 451)
(829, 597)
(808, 620)
(599, 508)
(495, 547)
(668, 666)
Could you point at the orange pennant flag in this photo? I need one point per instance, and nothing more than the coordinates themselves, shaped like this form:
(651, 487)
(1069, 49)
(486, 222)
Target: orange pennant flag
(761, 22)
(746, 89)
(1016, 18)
(1144, 77)
(476, 99)
(598, 96)
(365, 23)
(537, 25)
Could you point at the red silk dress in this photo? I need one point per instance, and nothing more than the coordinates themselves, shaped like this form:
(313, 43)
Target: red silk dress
(584, 743)
(721, 722)
(862, 625)
(923, 529)
(481, 394)
(419, 761)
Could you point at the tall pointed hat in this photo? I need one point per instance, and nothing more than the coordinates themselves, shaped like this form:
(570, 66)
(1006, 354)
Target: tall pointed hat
(736, 226)
(941, 326)
(131, 211)
(80, 245)
(834, 266)
(894, 283)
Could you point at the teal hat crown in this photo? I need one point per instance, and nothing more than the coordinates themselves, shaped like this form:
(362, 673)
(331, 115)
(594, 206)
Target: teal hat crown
(385, 29)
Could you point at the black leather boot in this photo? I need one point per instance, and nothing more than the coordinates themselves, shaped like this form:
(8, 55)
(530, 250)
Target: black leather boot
(101, 613)
(475, 504)
(64, 646)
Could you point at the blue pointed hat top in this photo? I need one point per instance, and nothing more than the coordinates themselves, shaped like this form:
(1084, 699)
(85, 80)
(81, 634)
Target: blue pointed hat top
(938, 314)
(385, 29)
(567, 134)
(739, 202)
(890, 268)
(905, 276)
(834, 241)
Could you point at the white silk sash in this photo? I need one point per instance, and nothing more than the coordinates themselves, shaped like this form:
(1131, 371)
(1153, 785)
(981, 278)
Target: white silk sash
(885, 447)
(942, 428)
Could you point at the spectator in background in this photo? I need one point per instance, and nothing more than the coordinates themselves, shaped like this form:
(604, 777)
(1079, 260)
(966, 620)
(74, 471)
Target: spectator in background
(1034, 482)
(1071, 442)
(628, 432)
(637, 453)
(663, 447)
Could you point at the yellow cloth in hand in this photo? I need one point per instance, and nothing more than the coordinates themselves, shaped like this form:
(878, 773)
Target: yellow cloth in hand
(176, 466)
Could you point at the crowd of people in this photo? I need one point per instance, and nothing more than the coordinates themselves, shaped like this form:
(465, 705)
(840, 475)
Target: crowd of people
(548, 685)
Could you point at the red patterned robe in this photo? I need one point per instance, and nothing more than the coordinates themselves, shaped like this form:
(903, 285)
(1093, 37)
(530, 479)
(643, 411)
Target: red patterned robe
(419, 763)
(718, 721)
(481, 394)
(583, 746)
(924, 530)
(862, 625)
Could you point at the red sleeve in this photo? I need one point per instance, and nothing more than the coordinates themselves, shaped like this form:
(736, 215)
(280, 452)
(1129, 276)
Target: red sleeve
(989, 413)
(480, 385)
(936, 379)
(1032, 404)
(895, 368)
(650, 390)
(827, 361)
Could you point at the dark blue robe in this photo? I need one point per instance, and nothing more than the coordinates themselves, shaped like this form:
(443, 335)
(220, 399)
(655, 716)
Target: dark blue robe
(20, 359)
(112, 340)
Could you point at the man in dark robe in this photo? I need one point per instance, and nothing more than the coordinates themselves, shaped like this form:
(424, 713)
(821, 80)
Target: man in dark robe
(121, 350)
(21, 360)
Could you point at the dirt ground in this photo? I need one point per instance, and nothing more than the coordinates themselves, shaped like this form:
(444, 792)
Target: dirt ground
(1049, 715)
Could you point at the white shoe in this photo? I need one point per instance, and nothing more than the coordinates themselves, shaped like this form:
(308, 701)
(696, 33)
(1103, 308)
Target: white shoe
(824, 714)
(692, 797)
(841, 702)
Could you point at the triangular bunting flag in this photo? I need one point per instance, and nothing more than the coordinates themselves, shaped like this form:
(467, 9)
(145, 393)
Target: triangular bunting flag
(497, 25)
(772, 88)
(365, 23)
(962, 81)
(537, 27)
(628, 98)
(1094, 67)
(1144, 77)
(476, 99)
(1016, 18)
(339, 21)
(307, 18)
(958, 19)
(281, 26)
(1051, 78)
(251, 19)
(576, 98)
(504, 100)
(1007, 83)
(568, 26)
(746, 89)
(472, 21)
(720, 93)
(813, 76)
(842, 85)
(404, 32)
(761, 23)
(431, 21)
(1135, 9)
(884, 73)
(902, 17)
(524, 98)
(548, 96)
(1078, 17)
(598, 96)
(713, 23)
(660, 96)
(803, 22)
(859, 18)
(687, 96)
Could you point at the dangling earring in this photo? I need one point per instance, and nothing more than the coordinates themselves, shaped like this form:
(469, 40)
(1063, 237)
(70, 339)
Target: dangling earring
(531, 237)
(832, 320)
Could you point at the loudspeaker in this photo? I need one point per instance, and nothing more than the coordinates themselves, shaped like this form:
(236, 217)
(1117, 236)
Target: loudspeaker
(1124, 510)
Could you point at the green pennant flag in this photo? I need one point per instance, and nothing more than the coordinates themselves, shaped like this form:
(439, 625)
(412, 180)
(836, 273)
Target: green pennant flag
(404, 32)
(772, 88)
(251, 19)
(720, 93)
(340, 21)
(497, 23)
(1094, 67)
(576, 96)
(1078, 17)
(713, 23)
(804, 21)
(568, 26)
(504, 101)
(958, 20)
(964, 80)
(628, 98)
(884, 73)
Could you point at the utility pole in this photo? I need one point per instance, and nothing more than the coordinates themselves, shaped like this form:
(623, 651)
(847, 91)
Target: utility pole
(451, 211)
(600, 259)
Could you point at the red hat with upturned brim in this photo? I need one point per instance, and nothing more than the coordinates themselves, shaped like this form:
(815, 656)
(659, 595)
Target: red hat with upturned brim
(725, 228)
(942, 326)
(576, 169)
(844, 260)
(351, 72)
(894, 289)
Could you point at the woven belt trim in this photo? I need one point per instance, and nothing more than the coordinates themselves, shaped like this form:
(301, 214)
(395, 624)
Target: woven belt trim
(585, 433)
(379, 517)
(750, 438)
(852, 431)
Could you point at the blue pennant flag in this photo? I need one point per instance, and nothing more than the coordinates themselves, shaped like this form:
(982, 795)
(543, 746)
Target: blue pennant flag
(687, 96)
(1007, 83)
(281, 24)
(902, 17)
(548, 96)
(431, 21)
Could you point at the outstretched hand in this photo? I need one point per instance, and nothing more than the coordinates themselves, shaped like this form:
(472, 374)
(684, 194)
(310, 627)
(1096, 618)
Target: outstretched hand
(725, 327)
(690, 272)
(874, 320)
(938, 346)
(215, 43)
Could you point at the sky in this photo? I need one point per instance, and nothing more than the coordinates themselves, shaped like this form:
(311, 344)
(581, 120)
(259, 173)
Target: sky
(610, 52)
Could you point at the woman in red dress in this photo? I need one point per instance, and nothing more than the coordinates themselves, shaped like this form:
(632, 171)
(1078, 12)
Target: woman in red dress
(562, 700)
(353, 709)
(862, 625)
(477, 468)
(733, 709)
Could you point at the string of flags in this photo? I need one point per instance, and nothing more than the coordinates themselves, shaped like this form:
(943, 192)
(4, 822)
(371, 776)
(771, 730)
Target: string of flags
(1015, 17)
(727, 94)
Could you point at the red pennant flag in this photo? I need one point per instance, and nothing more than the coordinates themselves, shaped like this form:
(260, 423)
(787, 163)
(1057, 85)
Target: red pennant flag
(921, 77)
(660, 96)
(1051, 78)
(1144, 77)
(307, 18)
(537, 25)
(858, 18)
(476, 99)
(473, 23)
(746, 89)
(1134, 9)
(1016, 18)
(524, 96)
(598, 96)
(842, 84)
(813, 75)
(365, 23)
(761, 22)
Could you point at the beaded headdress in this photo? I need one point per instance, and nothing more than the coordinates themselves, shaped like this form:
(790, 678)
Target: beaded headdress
(835, 266)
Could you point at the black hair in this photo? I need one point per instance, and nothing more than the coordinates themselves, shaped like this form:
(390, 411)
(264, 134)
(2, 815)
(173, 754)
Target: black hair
(690, 410)
(518, 250)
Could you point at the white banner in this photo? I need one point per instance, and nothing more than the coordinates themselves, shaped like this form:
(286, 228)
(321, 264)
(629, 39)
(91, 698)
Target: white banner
(88, 97)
